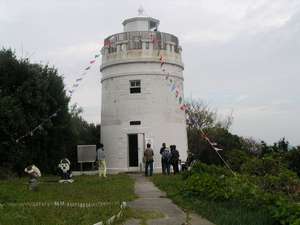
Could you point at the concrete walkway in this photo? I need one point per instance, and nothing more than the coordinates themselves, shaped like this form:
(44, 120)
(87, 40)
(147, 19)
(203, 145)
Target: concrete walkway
(152, 199)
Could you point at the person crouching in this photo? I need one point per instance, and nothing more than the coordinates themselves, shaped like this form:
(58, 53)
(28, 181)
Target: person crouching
(34, 173)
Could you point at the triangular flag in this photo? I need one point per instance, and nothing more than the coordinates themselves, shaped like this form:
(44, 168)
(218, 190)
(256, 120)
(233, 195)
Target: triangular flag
(79, 79)
(162, 61)
(88, 68)
(97, 55)
(180, 100)
(173, 87)
(218, 149)
(92, 61)
(53, 115)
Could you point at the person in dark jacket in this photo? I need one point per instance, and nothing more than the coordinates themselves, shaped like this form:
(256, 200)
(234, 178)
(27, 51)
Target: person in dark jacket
(163, 161)
(148, 157)
(174, 158)
(166, 157)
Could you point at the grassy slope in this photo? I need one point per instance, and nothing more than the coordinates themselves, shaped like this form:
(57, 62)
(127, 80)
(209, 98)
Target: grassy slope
(220, 213)
(86, 189)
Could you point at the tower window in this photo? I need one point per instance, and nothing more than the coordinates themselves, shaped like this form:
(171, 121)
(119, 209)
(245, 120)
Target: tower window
(135, 123)
(135, 86)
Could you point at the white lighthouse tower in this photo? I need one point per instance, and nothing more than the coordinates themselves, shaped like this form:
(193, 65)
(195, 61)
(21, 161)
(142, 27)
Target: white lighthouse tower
(142, 98)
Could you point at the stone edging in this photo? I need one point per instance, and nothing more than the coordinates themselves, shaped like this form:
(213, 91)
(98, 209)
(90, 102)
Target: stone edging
(60, 204)
(114, 217)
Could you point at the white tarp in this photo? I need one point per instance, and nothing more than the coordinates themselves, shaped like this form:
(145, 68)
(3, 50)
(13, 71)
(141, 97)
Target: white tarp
(86, 153)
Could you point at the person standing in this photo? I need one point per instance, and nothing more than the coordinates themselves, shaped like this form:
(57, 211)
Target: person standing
(166, 157)
(101, 160)
(148, 156)
(174, 158)
(163, 161)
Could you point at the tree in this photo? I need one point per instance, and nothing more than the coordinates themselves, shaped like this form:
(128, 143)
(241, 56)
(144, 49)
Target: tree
(30, 93)
(200, 117)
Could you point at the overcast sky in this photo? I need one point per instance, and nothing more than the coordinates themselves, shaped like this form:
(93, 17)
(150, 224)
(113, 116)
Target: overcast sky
(239, 55)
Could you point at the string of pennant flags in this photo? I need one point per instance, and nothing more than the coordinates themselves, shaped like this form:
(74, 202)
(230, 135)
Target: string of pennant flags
(214, 146)
(177, 89)
(73, 89)
(81, 76)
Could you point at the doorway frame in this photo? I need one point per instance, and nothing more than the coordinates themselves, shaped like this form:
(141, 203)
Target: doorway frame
(141, 148)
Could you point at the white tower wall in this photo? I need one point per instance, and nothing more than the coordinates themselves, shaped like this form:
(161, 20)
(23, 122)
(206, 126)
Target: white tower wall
(135, 56)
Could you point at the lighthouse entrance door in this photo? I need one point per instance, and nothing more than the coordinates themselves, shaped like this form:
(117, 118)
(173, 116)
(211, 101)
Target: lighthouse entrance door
(135, 150)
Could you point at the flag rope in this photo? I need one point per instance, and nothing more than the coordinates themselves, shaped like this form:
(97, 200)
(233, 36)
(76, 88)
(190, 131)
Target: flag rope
(71, 92)
(184, 107)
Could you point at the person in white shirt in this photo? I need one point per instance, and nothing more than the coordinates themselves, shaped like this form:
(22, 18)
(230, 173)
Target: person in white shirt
(101, 160)
(34, 173)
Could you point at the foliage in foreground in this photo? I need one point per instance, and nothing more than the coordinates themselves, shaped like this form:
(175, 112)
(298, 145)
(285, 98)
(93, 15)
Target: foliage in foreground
(216, 187)
(218, 212)
(85, 189)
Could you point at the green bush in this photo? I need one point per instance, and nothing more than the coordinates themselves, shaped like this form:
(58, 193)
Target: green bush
(271, 175)
(262, 167)
(236, 158)
(286, 212)
(200, 168)
(216, 184)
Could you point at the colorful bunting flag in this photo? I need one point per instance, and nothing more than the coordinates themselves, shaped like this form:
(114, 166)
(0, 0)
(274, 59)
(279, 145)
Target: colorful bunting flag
(173, 87)
(180, 100)
(92, 61)
(162, 61)
(88, 68)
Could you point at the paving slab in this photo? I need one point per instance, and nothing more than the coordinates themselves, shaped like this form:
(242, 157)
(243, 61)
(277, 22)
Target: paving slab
(150, 198)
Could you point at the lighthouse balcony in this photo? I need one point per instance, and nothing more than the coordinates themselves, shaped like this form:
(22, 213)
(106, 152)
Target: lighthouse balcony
(141, 46)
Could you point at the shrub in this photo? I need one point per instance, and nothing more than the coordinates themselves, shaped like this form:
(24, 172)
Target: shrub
(288, 213)
(262, 167)
(272, 175)
(216, 184)
(200, 168)
(236, 158)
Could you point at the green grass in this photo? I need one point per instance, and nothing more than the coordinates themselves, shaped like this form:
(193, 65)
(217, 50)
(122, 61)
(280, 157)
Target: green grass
(85, 189)
(141, 215)
(220, 213)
